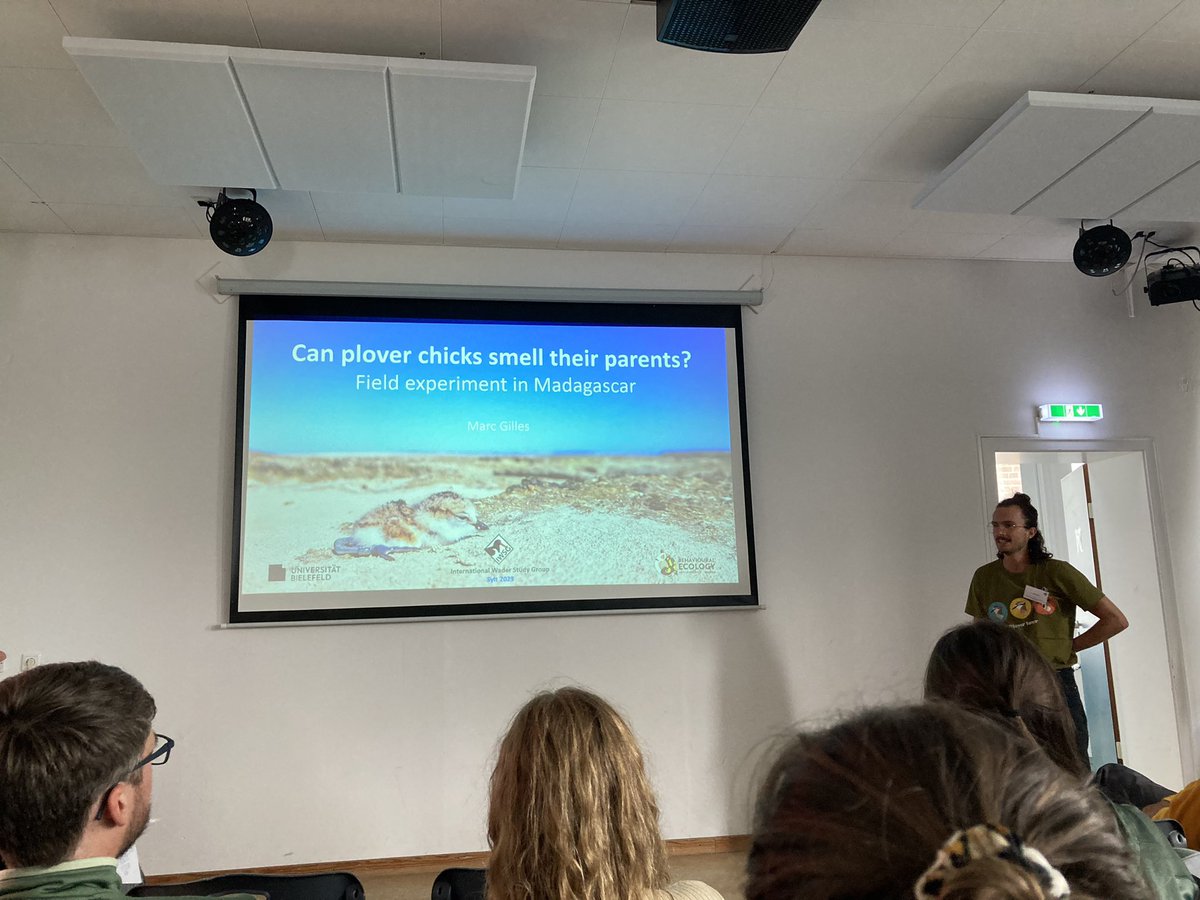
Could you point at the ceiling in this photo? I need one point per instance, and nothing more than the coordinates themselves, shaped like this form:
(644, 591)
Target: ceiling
(632, 144)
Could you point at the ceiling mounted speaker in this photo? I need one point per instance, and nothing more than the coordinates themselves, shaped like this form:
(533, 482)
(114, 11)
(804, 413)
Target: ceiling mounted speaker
(733, 26)
(1101, 250)
(240, 227)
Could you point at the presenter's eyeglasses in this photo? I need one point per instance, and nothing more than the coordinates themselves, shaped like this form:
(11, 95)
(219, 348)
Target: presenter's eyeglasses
(1007, 526)
(157, 757)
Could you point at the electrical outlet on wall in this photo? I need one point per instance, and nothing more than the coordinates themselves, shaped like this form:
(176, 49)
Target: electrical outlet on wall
(30, 661)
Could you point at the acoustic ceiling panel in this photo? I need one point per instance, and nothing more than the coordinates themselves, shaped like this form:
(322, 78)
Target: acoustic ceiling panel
(180, 108)
(207, 115)
(1028, 149)
(323, 118)
(1178, 200)
(476, 153)
(1156, 148)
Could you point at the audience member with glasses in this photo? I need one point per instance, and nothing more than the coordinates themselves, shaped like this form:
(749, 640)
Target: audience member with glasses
(77, 756)
(1025, 588)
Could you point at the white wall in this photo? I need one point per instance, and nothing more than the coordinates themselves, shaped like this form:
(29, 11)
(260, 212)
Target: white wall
(869, 383)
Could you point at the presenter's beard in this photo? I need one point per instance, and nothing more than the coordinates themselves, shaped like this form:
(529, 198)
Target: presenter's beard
(136, 827)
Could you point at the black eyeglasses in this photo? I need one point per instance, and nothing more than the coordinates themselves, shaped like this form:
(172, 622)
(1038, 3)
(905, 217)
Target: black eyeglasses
(157, 757)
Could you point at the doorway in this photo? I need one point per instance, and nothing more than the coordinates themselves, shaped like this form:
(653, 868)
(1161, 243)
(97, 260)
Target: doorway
(1098, 509)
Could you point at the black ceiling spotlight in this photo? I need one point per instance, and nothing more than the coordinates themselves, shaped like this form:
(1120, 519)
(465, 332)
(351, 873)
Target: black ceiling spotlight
(1101, 250)
(733, 26)
(240, 227)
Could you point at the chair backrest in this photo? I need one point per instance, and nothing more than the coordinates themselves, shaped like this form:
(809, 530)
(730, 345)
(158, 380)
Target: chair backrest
(322, 886)
(1173, 832)
(460, 884)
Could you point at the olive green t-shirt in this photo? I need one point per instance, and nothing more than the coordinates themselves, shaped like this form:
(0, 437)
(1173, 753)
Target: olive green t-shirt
(999, 595)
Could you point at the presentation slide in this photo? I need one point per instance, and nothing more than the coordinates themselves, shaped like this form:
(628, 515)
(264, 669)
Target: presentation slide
(389, 465)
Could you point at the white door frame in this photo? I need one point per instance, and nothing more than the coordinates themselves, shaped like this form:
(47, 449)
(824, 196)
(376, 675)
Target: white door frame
(990, 446)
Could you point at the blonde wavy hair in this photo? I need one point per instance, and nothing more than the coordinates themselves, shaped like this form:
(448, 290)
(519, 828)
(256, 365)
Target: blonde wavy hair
(572, 813)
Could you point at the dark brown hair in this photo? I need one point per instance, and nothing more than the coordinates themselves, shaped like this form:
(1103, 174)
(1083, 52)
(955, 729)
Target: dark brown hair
(572, 813)
(68, 731)
(992, 669)
(1037, 544)
(860, 811)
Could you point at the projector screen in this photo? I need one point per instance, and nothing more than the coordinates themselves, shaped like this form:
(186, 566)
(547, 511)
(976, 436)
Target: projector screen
(433, 459)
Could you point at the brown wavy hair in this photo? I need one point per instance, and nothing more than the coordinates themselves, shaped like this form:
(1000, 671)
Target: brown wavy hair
(572, 813)
(859, 811)
(992, 669)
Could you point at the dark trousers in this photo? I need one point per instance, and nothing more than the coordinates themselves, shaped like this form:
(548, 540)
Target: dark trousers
(1066, 678)
(1121, 784)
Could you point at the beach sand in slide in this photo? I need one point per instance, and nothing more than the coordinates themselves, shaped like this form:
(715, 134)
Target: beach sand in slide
(569, 520)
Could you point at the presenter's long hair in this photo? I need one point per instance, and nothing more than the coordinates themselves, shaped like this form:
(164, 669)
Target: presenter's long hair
(859, 811)
(990, 668)
(572, 814)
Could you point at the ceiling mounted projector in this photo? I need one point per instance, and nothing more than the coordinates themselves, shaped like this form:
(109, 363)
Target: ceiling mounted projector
(1175, 282)
(240, 227)
(1101, 250)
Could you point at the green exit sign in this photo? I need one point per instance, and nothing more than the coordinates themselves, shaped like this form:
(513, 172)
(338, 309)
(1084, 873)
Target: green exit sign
(1070, 412)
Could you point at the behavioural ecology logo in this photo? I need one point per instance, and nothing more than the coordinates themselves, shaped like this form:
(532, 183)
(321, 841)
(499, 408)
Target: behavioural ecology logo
(669, 565)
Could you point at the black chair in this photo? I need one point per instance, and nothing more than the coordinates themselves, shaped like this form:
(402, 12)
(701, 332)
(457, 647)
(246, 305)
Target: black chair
(322, 886)
(1173, 832)
(460, 884)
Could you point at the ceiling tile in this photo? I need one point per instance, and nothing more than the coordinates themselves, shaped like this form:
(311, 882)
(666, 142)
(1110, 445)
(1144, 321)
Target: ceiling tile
(34, 218)
(52, 106)
(661, 137)
(542, 194)
(994, 68)
(134, 221)
(746, 201)
(394, 218)
(956, 13)
(1031, 247)
(1180, 24)
(365, 27)
(717, 237)
(542, 234)
(1053, 227)
(571, 43)
(585, 233)
(12, 188)
(866, 66)
(652, 198)
(179, 21)
(915, 148)
(32, 36)
(73, 174)
(928, 220)
(1152, 69)
(880, 206)
(559, 130)
(939, 246)
(800, 142)
(645, 69)
(870, 240)
(1129, 18)
(387, 204)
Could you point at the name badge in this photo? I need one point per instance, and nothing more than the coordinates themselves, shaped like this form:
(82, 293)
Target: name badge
(1037, 595)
